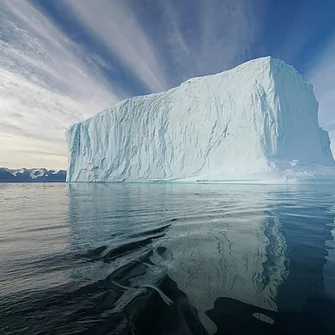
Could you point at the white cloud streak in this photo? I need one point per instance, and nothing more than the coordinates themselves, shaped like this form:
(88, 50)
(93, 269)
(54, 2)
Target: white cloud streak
(115, 25)
(227, 31)
(47, 82)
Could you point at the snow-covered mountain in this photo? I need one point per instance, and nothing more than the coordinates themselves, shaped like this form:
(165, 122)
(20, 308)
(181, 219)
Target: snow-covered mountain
(258, 120)
(32, 175)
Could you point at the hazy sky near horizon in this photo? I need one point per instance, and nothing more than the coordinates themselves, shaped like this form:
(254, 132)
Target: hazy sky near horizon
(62, 61)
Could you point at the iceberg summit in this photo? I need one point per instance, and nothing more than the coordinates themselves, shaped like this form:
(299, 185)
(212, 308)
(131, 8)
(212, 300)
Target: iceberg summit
(257, 121)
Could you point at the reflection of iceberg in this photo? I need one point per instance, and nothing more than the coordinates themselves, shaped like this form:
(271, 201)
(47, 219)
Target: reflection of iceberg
(223, 249)
(261, 245)
(100, 213)
(113, 226)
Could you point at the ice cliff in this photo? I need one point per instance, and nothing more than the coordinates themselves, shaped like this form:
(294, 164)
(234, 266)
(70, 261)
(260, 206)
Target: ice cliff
(258, 120)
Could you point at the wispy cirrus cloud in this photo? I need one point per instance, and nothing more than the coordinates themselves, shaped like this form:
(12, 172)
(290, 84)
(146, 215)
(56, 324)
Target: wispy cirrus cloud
(47, 82)
(188, 39)
(114, 23)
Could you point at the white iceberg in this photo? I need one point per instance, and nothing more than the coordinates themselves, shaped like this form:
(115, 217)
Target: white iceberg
(248, 123)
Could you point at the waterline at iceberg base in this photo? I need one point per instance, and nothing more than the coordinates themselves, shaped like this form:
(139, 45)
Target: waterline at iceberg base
(258, 121)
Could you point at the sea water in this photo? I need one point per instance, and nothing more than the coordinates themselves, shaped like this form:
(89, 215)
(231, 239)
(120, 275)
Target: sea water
(167, 259)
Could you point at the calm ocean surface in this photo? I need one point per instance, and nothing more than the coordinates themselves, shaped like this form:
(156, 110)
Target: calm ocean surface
(167, 259)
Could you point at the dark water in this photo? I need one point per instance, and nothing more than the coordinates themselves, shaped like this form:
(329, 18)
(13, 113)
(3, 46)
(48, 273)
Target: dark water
(167, 259)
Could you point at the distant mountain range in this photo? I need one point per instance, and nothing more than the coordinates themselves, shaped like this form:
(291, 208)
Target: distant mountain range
(31, 175)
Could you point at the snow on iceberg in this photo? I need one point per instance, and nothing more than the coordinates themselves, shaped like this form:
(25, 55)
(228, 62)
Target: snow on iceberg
(256, 121)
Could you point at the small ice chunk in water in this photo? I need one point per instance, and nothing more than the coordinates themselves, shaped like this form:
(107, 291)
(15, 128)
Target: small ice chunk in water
(264, 318)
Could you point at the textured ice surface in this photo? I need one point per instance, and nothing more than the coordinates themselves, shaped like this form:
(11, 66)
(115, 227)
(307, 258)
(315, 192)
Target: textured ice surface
(256, 121)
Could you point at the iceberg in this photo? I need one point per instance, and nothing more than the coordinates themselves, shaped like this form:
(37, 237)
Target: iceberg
(257, 121)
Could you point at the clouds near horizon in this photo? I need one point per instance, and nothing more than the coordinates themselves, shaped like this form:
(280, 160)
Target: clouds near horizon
(46, 84)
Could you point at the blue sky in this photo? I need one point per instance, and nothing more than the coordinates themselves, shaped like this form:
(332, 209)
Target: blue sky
(62, 61)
